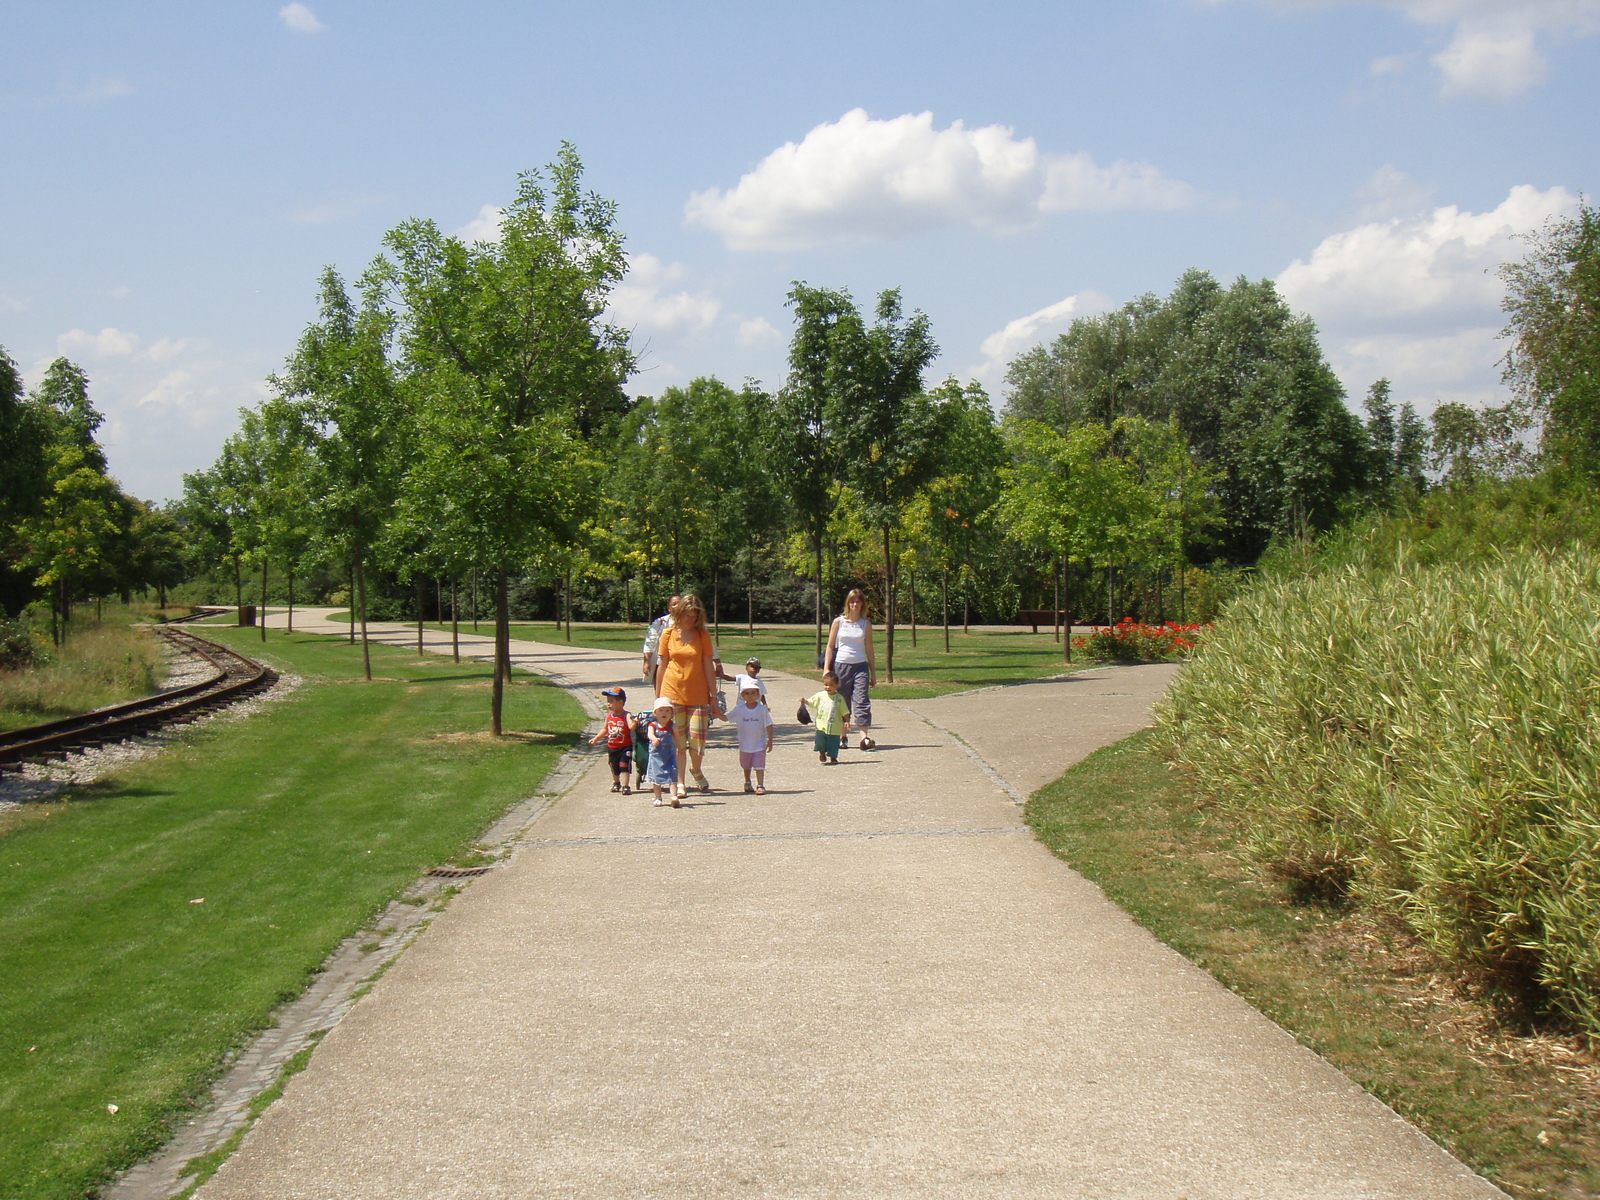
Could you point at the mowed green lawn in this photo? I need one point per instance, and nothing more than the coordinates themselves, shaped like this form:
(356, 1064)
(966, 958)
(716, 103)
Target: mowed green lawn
(981, 658)
(294, 826)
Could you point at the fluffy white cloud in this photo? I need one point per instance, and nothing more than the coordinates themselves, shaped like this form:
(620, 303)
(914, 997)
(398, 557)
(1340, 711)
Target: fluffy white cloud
(336, 207)
(1415, 296)
(485, 227)
(1431, 269)
(1023, 333)
(108, 343)
(1493, 49)
(861, 178)
(647, 298)
(758, 331)
(300, 19)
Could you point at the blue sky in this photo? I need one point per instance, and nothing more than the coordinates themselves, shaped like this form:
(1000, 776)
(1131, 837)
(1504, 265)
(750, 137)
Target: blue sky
(176, 174)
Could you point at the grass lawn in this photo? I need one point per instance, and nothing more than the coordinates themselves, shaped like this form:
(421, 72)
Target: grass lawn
(295, 826)
(1523, 1111)
(978, 659)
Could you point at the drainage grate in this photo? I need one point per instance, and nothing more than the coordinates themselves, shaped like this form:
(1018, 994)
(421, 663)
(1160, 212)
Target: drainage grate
(456, 872)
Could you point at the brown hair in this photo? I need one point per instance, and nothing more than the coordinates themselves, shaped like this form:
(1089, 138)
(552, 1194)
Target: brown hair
(855, 594)
(827, 675)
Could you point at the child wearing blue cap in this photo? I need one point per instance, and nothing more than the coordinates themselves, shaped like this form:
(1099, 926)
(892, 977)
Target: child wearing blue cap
(617, 734)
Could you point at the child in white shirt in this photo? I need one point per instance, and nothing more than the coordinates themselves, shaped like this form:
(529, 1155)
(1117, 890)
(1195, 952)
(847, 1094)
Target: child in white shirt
(754, 723)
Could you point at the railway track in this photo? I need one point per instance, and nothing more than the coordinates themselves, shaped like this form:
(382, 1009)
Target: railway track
(233, 678)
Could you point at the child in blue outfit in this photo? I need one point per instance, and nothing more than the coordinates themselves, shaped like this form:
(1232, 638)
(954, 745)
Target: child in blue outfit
(663, 768)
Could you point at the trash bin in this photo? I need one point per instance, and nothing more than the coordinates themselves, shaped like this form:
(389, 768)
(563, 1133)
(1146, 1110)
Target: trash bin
(247, 614)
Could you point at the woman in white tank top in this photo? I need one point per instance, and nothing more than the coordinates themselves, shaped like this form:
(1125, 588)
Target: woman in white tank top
(850, 656)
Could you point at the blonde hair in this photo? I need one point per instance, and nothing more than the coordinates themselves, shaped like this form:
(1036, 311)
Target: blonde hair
(855, 594)
(691, 603)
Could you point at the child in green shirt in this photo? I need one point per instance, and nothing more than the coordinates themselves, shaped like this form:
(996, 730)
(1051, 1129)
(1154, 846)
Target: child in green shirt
(828, 709)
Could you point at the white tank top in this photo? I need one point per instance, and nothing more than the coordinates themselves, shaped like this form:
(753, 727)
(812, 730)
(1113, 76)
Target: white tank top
(851, 644)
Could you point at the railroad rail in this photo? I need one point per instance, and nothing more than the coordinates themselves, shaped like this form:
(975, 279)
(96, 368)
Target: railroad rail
(234, 677)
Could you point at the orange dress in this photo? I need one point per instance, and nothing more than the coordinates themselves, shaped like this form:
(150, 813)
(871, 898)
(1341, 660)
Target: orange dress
(685, 680)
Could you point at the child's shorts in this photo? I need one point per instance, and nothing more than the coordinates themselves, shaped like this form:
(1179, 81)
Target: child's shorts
(752, 760)
(826, 743)
(621, 759)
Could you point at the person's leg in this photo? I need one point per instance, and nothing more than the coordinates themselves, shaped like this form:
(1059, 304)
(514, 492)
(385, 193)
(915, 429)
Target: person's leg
(680, 730)
(699, 720)
(819, 743)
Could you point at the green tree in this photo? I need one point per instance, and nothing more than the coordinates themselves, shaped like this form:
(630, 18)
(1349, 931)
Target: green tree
(342, 374)
(1553, 307)
(960, 499)
(802, 442)
(24, 481)
(510, 346)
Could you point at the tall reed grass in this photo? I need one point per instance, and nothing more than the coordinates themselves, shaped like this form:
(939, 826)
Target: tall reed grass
(101, 662)
(1425, 739)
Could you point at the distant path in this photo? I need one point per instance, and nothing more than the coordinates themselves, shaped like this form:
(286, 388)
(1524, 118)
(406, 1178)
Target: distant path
(873, 982)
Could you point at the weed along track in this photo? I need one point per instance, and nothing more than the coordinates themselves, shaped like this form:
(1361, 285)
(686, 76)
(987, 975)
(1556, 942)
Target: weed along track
(234, 677)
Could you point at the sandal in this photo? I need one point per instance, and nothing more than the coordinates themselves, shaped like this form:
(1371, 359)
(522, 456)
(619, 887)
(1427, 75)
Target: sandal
(626, 790)
(660, 803)
(748, 790)
(868, 744)
(761, 791)
(616, 787)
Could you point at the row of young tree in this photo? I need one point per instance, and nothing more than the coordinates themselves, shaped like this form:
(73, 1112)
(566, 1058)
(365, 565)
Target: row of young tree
(459, 414)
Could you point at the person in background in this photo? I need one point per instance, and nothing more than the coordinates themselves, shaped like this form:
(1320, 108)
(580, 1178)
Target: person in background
(752, 674)
(652, 636)
(617, 734)
(827, 711)
(850, 656)
(686, 675)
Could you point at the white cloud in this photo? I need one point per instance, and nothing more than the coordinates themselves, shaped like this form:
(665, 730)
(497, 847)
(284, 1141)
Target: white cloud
(644, 298)
(300, 19)
(758, 331)
(97, 90)
(1415, 296)
(1432, 269)
(120, 292)
(1493, 49)
(340, 205)
(1023, 333)
(1388, 64)
(485, 227)
(165, 349)
(861, 178)
(11, 304)
(108, 343)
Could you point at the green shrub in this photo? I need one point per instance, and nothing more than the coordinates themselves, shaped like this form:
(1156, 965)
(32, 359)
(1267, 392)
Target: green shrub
(1425, 739)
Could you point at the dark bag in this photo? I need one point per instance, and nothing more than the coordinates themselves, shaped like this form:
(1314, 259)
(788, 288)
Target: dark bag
(803, 714)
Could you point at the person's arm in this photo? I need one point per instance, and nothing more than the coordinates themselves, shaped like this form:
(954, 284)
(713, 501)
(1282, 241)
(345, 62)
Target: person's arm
(833, 641)
(769, 732)
(661, 664)
(709, 664)
(872, 658)
(595, 740)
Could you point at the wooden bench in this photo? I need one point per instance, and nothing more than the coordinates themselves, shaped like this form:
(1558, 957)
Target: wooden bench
(1040, 616)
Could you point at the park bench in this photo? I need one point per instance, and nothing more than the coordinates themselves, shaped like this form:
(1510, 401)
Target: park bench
(1040, 616)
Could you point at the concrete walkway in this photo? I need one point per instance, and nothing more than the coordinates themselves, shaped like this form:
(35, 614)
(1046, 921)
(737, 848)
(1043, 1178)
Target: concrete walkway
(870, 982)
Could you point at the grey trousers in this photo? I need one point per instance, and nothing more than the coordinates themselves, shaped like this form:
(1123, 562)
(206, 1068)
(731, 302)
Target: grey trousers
(853, 687)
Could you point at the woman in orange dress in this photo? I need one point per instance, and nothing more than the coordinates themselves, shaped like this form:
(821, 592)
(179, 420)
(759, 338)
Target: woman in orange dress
(686, 674)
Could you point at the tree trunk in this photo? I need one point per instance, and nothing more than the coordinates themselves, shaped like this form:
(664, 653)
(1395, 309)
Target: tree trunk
(419, 615)
(502, 653)
(438, 599)
(716, 620)
(966, 610)
(1055, 617)
(817, 541)
(361, 584)
(474, 599)
(455, 623)
(1110, 605)
(352, 613)
(911, 588)
(677, 583)
(627, 607)
(262, 620)
(888, 607)
(1183, 597)
(161, 596)
(1066, 616)
(944, 604)
(238, 583)
(291, 598)
(567, 591)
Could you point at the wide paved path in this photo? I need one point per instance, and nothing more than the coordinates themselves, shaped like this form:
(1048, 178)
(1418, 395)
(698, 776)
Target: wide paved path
(871, 982)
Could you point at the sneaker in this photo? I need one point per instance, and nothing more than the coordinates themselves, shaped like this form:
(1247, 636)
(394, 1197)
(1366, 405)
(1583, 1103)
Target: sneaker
(868, 744)
(676, 803)
(844, 741)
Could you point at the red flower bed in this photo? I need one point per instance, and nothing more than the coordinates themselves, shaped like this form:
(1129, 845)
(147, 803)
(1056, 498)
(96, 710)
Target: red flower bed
(1130, 641)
